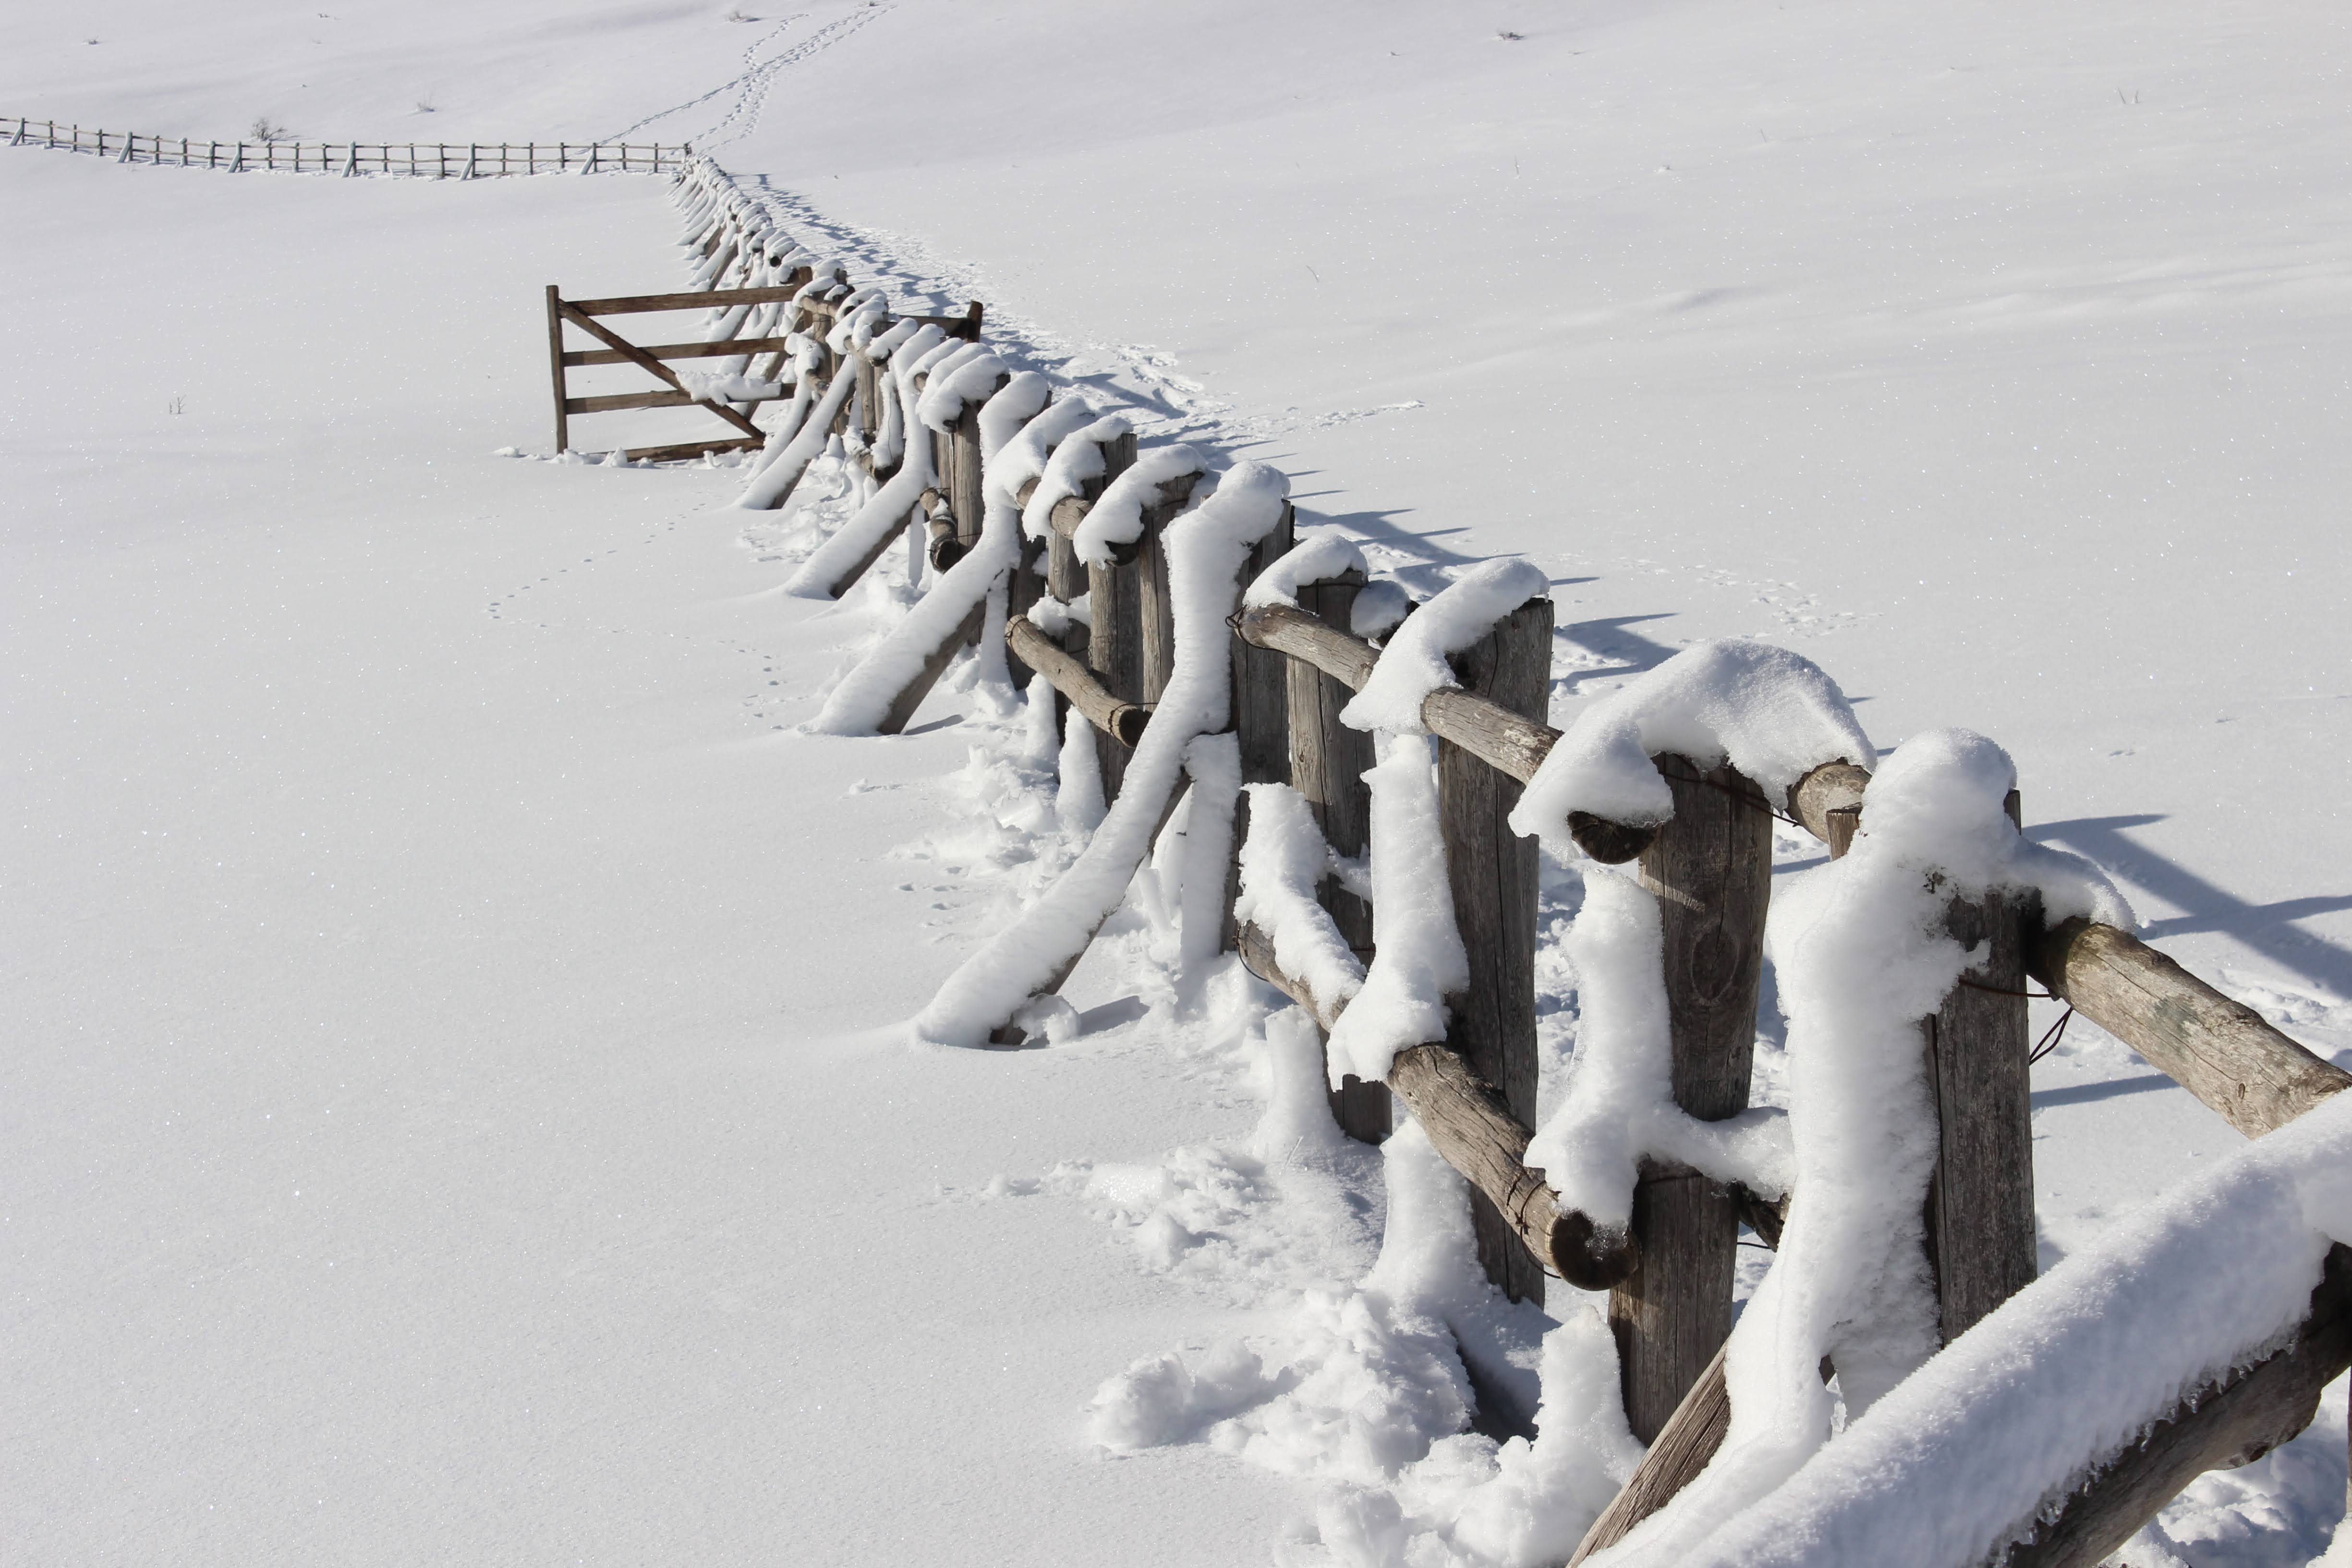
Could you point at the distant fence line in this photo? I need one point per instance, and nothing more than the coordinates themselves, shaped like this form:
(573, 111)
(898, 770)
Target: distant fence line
(435, 160)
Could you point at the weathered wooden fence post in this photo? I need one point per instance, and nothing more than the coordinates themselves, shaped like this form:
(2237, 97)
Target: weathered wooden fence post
(958, 468)
(555, 366)
(1494, 878)
(1980, 1234)
(1115, 638)
(1327, 762)
(1261, 715)
(1711, 869)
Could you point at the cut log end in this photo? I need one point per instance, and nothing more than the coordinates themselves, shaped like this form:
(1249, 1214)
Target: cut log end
(1610, 843)
(946, 552)
(1591, 1256)
(1126, 724)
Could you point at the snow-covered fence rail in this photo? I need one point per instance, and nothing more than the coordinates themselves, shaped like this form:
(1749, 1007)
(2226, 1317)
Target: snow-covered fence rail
(1346, 790)
(424, 160)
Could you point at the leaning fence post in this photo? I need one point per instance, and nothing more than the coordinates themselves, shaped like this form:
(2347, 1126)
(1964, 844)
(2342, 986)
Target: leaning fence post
(1980, 1234)
(1327, 762)
(1493, 875)
(1711, 868)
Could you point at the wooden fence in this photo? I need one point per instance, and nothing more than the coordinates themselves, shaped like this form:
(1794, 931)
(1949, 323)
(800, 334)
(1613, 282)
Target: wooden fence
(1670, 1273)
(436, 160)
(758, 299)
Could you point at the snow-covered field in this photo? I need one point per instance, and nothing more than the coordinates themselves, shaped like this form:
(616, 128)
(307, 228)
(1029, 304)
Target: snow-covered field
(452, 1099)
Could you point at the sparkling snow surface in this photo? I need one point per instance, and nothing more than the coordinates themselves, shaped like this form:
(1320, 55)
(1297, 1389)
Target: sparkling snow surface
(456, 1102)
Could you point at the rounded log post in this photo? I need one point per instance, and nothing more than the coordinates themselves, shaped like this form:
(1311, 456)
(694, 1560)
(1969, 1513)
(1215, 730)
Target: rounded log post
(1261, 711)
(1115, 638)
(1151, 563)
(1327, 762)
(960, 474)
(1493, 876)
(1981, 1239)
(869, 405)
(1711, 868)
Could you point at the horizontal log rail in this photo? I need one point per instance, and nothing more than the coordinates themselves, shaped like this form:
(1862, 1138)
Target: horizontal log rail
(1467, 1124)
(1122, 721)
(719, 349)
(2223, 1052)
(609, 402)
(699, 299)
(685, 451)
(1067, 513)
(1493, 734)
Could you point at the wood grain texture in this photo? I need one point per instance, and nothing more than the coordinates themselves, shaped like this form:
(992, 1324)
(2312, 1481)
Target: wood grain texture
(1261, 710)
(1513, 743)
(608, 402)
(2221, 1051)
(1831, 788)
(555, 366)
(1122, 721)
(1711, 868)
(1493, 875)
(678, 351)
(1327, 762)
(960, 474)
(1696, 1430)
(701, 299)
(1681, 1449)
(1981, 1236)
(1115, 635)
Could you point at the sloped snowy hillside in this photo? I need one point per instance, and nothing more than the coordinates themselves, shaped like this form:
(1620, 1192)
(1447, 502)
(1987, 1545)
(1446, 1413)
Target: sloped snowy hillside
(457, 1101)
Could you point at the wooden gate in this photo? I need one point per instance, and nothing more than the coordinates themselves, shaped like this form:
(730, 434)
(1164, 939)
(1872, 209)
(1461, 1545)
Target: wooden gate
(617, 350)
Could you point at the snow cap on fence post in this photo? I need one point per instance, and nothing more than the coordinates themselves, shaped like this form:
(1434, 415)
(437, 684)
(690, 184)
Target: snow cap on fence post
(1319, 555)
(1027, 455)
(1078, 459)
(1116, 518)
(1414, 663)
(1773, 714)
